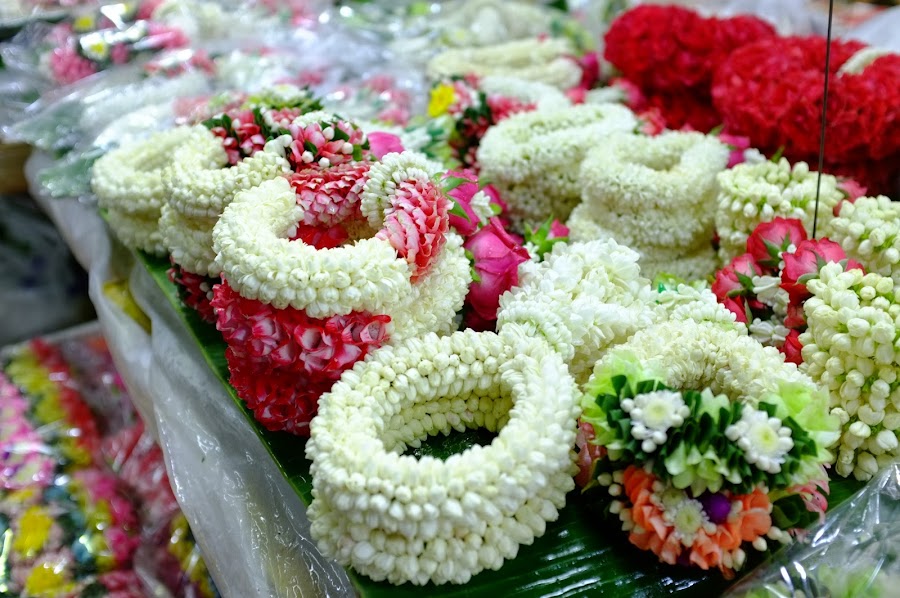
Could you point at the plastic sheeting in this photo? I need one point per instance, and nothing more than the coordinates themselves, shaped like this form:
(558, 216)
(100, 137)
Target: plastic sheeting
(852, 555)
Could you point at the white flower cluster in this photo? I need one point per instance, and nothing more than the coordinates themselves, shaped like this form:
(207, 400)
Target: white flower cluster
(383, 178)
(189, 241)
(852, 348)
(200, 184)
(260, 263)
(129, 187)
(709, 354)
(653, 414)
(763, 439)
(541, 94)
(688, 303)
(869, 231)
(696, 264)
(582, 299)
(395, 517)
(657, 195)
(533, 158)
(750, 194)
(546, 61)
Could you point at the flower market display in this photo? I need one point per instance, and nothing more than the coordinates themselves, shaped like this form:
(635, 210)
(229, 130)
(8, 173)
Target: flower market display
(454, 299)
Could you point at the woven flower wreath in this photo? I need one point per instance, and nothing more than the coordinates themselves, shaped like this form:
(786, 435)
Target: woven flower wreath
(705, 442)
(750, 194)
(533, 158)
(552, 61)
(230, 152)
(395, 517)
(655, 194)
(313, 282)
(128, 182)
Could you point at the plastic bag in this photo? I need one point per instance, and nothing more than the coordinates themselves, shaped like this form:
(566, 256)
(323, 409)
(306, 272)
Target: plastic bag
(852, 555)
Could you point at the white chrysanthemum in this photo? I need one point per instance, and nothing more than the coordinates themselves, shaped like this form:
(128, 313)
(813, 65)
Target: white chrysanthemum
(403, 519)
(189, 241)
(764, 440)
(546, 61)
(653, 414)
(200, 184)
(582, 298)
(671, 178)
(383, 178)
(707, 354)
(852, 348)
(129, 179)
(136, 232)
(769, 332)
(768, 290)
(533, 158)
(869, 231)
(750, 194)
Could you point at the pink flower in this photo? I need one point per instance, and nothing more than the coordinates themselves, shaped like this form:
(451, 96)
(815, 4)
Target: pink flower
(462, 194)
(329, 196)
(416, 224)
(588, 452)
(497, 257)
(770, 239)
(795, 318)
(382, 144)
(851, 189)
(68, 66)
(590, 70)
(119, 54)
(805, 263)
(558, 230)
(792, 347)
(738, 144)
(734, 279)
(737, 306)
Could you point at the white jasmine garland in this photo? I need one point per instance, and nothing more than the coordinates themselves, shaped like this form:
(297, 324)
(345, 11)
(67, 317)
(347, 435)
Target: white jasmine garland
(533, 92)
(698, 305)
(750, 194)
(200, 184)
(869, 231)
(383, 178)
(763, 439)
(136, 232)
(852, 348)
(533, 158)
(404, 519)
(129, 179)
(672, 176)
(548, 61)
(582, 299)
(189, 241)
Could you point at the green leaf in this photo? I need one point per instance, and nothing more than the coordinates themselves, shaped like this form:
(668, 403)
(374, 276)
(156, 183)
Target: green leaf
(457, 210)
(776, 157)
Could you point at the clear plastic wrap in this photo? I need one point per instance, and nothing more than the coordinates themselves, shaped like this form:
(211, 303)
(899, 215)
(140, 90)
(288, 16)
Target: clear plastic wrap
(881, 30)
(853, 554)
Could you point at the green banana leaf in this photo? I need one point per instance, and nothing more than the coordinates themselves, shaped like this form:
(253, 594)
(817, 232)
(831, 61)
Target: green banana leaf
(580, 553)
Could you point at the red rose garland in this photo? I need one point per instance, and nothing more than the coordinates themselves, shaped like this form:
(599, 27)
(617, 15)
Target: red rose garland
(771, 91)
(672, 53)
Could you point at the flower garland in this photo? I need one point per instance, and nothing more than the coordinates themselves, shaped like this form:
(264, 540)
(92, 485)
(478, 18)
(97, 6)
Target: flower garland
(583, 298)
(550, 61)
(693, 476)
(753, 193)
(771, 91)
(20, 464)
(767, 286)
(300, 306)
(405, 519)
(868, 229)
(671, 54)
(850, 349)
(533, 158)
(475, 105)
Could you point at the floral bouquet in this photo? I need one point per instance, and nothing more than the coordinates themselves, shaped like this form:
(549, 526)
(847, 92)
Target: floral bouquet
(771, 91)
(671, 54)
(349, 251)
(766, 287)
(656, 195)
(473, 105)
(704, 443)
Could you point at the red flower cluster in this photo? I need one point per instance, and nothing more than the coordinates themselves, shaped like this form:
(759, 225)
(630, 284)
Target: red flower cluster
(767, 248)
(281, 360)
(671, 53)
(195, 291)
(323, 144)
(772, 90)
(329, 196)
(416, 224)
